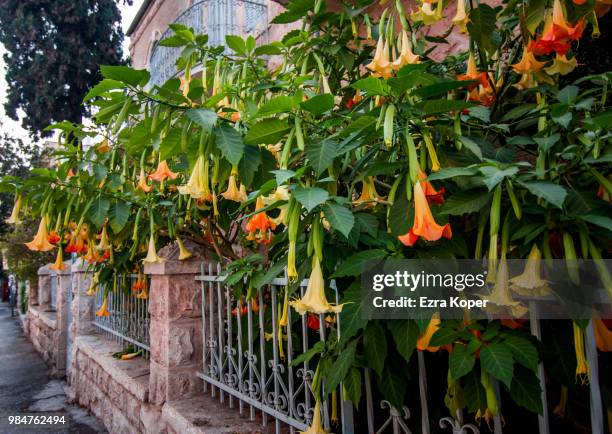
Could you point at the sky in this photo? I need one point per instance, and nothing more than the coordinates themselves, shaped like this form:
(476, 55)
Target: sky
(14, 127)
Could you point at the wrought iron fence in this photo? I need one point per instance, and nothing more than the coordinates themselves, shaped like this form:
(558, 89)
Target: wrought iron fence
(128, 319)
(215, 18)
(244, 365)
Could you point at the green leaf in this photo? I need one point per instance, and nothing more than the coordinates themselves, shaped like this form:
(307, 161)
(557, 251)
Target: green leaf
(474, 393)
(103, 87)
(340, 218)
(526, 391)
(353, 265)
(443, 336)
(317, 348)
(482, 27)
(393, 387)
(352, 321)
(249, 164)
(125, 74)
(568, 94)
(268, 50)
(452, 172)
(496, 359)
(282, 175)
(319, 104)
(236, 43)
(551, 193)
(466, 201)
(472, 146)
(375, 346)
(321, 154)
(603, 120)
(352, 386)
(203, 117)
(523, 351)
(341, 366)
(310, 197)
(280, 104)
(494, 175)
(598, 220)
(99, 211)
(266, 131)
(230, 143)
(434, 106)
(439, 88)
(119, 214)
(372, 85)
(461, 361)
(170, 144)
(545, 143)
(173, 41)
(405, 334)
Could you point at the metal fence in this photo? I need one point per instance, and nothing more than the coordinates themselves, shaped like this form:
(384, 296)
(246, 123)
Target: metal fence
(128, 322)
(215, 18)
(54, 285)
(243, 366)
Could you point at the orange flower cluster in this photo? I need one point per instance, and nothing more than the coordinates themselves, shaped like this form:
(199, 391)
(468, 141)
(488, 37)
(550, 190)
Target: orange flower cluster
(558, 33)
(260, 226)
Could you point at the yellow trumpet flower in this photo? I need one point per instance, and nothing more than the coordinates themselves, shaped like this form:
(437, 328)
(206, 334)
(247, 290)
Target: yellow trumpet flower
(40, 243)
(14, 217)
(93, 286)
(582, 366)
(380, 65)
(103, 147)
(183, 252)
(152, 257)
(197, 186)
(406, 56)
(561, 65)
(369, 196)
(142, 182)
(104, 243)
(427, 14)
(528, 63)
(500, 295)
(314, 299)
(292, 273)
(233, 192)
(461, 19)
(432, 327)
(103, 311)
(281, 193)
(530, 282)
(316, 427)
(59, 262)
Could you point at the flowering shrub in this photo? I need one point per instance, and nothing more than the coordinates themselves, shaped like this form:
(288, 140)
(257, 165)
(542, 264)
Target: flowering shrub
(357, 146)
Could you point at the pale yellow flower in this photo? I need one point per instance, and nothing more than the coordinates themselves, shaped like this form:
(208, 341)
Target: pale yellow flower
(500, 295)
(561, 65)
(40, 243)
(314, 299)
(461, 19)
(197, 186)
(530, 282)
(406, 56)
(183, 252)
(14, 217)
(316, 427)
(233, 192)
(152, 257)
(104, 243)
(380, 65)
(427, 14)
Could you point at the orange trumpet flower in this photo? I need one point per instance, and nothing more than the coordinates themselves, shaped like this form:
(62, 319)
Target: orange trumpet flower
(162, 172)
(434, 197)
(41, 243)
(424, 224)
(142, 182)
(260, 225)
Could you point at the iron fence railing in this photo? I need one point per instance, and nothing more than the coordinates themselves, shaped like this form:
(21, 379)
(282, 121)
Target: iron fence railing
(215, 18)
(128, 319)
(243, 366)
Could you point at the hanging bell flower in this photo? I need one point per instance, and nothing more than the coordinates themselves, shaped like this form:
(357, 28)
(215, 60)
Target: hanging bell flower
(104, 244)
(427, 14)
(162, 172)
(197, 186)
(142, 182)
(561, 65)
(461, 19)
(434, 197)
(530, 283)
(582, 366)
(369, 196)
(93, 285)
(316, 427)
(14, 217)
(380, 65)
(59, 261)
(424, 224)
(314, 299)
(472, 74)
(40, 243)
(103, 311)
(233, 192)
(500, 295)
(152, 257)
(528, 63)
(425, 338)
(406, 56)
(280, 194)
(260, 226)
(183, 252)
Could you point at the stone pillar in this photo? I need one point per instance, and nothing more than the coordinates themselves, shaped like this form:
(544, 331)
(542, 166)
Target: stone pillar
(82, 305)
(64, 298)
(40, 294)
(175, 330)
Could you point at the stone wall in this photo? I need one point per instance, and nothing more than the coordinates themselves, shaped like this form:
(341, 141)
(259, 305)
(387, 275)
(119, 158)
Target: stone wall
(41, 328)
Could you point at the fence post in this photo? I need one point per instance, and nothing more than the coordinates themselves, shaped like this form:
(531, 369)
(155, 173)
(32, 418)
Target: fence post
(43, 293)
(175, 330)
(64, 295)
(83, 306)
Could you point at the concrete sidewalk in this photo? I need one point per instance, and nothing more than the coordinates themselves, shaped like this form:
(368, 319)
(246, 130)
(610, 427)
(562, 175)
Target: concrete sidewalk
(25, 386)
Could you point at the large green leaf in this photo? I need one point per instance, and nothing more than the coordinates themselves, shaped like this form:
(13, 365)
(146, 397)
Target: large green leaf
(203, 117)
(341, 366)
(236, 43)
(393, 387)
(472, 146)
(353, 265)
(526, 391)
(170, 144)
(496, 359)
(280, 104)
(474, 393)
(321, 154)
(439, 88)
(405, 335)
(452, 172)
(435, 106)
(482, 27)
(125, 74)
(230, 143)
(99, 210)
(443, 336)
(461, 361)
(310, 197)
(494, 175)
(103, 87)
(352, 386)
(249, 164)
(319, 104)
(550, 192)
(372, 85)
(375, 346)
(119, 214)
(466, 201)
(266, 131)
(340, 218)
(523, 351)
(351, 319)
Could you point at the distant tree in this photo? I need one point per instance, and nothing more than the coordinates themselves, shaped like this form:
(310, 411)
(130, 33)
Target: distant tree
(55, 48)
